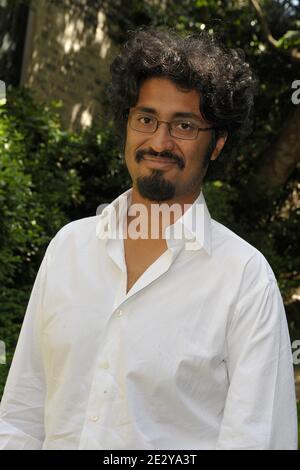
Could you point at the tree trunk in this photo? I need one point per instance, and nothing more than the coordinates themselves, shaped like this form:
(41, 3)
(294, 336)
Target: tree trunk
(283, 155)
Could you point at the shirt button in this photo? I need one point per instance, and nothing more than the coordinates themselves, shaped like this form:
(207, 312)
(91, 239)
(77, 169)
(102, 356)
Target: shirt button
(119, 312)
(94, 418)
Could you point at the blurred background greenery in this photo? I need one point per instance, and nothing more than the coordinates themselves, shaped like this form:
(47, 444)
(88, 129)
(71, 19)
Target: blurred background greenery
(52, 173)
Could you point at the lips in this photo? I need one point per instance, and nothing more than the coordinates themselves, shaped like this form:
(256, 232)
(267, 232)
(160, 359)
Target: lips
(159, 163)
(159, 159)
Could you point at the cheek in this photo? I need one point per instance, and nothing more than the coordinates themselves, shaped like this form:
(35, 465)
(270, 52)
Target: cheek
(131, 146)
(192, 155)
(129, 150)
(197, 153)
(131, 143)
(134, 143)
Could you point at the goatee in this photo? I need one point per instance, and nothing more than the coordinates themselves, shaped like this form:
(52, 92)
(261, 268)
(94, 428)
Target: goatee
(155, 187)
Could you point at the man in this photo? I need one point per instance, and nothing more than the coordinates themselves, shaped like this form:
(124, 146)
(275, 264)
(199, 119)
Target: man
(143, 333)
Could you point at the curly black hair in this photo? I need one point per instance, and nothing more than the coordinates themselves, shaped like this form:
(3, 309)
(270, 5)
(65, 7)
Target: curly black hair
(197, 61)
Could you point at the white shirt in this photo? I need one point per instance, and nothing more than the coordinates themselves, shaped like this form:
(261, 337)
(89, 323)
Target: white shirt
(196, 355)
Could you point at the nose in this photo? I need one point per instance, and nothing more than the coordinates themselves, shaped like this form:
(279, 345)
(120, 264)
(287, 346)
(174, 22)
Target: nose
(161, 139)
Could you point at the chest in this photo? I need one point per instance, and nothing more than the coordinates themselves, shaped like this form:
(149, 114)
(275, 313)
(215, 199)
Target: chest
(139, 255)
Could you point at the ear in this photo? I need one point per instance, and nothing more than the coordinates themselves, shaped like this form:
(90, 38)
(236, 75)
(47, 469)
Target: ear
(219, 145)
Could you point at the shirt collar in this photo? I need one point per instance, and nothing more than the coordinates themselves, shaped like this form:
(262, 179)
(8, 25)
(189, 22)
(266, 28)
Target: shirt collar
(111, 215)
(194, 225)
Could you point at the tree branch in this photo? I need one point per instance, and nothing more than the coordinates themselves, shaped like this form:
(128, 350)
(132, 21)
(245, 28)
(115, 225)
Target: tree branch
(293, 53)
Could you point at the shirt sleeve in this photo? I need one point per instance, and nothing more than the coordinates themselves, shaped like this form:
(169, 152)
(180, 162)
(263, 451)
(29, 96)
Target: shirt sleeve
(260, 411)
(22, 404)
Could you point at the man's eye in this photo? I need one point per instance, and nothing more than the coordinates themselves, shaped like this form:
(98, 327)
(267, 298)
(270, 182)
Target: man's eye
(145, 120)
(184, 126)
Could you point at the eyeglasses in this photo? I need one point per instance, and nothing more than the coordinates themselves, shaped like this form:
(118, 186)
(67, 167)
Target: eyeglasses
(179, 128)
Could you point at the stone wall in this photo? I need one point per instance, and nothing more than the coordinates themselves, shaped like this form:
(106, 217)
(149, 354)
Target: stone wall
(67, 54)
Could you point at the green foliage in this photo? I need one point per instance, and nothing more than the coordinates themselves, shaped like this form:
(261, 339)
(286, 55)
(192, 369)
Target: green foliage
(38, 183)
(102, 172)
(290, 39)
(220, 198)
(14, 198)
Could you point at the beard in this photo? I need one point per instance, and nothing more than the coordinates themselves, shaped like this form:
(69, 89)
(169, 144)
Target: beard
(155, 187)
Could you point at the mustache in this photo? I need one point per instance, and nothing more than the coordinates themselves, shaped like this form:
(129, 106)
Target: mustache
(165, 154)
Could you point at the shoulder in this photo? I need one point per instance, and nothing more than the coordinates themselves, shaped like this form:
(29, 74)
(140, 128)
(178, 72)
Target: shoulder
(78, 226)
(75, 234)
(256, 292)
(235, 253)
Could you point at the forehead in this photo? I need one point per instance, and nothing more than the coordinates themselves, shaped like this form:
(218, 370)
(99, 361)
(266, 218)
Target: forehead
(165, 97)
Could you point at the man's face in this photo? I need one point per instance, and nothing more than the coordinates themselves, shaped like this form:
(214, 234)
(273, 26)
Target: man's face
(163, 167)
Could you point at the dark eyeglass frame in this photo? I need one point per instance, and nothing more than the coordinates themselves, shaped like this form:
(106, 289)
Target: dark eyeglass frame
(169, 123)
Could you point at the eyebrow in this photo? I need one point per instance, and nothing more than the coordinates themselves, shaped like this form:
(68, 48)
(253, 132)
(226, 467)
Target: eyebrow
(179, 114)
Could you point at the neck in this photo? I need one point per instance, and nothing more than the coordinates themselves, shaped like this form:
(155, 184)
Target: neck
(159, 215)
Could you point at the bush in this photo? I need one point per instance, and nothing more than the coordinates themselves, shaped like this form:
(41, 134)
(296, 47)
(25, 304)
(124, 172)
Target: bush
(38, 183)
